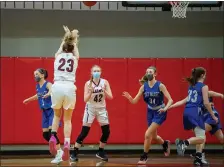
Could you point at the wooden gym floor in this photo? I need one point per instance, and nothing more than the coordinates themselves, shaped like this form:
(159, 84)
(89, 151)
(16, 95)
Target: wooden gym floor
(216, 160)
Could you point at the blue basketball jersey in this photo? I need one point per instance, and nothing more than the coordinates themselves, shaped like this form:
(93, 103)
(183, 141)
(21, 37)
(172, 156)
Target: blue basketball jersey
(195, 98)
(44, 103)
(204, 109)
(153, 96)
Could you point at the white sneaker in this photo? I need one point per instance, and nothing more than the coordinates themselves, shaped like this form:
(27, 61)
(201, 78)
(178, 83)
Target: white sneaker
(203, 159)
(58, 157)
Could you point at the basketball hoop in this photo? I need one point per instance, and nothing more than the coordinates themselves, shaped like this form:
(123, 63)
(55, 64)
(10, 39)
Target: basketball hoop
(179, 8)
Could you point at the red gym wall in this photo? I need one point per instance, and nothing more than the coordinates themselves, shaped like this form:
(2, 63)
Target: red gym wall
(21, 124)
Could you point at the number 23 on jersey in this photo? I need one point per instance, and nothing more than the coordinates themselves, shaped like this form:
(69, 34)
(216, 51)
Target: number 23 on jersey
(70, 63)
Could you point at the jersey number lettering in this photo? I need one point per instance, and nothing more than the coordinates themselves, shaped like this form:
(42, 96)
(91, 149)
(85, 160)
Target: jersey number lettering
(98, 98)
(70, 64)
(193, 93)
(152, 101)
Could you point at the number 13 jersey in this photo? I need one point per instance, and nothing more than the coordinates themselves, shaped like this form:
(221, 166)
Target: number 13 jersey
(65, 66)
(97, 99)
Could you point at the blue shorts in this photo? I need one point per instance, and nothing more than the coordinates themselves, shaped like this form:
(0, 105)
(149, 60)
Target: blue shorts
(209, 120)
(155, 116)
(192, 118)
(47, 118)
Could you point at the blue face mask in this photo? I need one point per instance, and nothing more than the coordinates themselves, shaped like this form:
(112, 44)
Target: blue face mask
(96, 75)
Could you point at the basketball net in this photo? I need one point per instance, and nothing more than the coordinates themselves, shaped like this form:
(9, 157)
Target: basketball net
(179, 8)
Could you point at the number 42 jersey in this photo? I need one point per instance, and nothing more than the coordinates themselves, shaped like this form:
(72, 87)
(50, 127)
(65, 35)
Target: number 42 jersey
(65, 66)
(97, 99)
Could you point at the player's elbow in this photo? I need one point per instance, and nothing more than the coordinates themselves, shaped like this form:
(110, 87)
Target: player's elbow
(86, 99)
(206, 103)
(171, 101)
(110, 97)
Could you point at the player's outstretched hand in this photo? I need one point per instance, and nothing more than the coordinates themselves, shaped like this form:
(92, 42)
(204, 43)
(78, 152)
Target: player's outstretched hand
(46, 96)
(216, 119)
(26, 101)
(66, 29)
(127, 95)
(161, 110)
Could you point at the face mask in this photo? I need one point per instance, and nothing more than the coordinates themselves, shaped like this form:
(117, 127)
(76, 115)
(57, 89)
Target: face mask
(37, 79)
(96, 75)
(150, 77)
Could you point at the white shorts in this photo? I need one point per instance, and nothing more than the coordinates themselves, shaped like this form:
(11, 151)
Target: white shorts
(99, 113)
(63, 94)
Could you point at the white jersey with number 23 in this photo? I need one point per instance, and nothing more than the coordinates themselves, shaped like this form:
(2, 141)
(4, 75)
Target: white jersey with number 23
(65, 66)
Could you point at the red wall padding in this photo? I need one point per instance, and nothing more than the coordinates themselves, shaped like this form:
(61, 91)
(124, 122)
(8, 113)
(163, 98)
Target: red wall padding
(136, 114)
(21, 124)
(7, 100)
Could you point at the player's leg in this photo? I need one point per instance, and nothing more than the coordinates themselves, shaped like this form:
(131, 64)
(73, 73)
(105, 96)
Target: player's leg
(192, 121)
(57, 100)
(69, 106)
(200, 147)
(67, 133)
(102, 118)
(54, 140)
(198, 139)
(159, 118)
(217, 130)
(58, 157)
(147, 142)
(165, 143)
(45, 126)
(219, 136)
(46, 134)
(88, 118)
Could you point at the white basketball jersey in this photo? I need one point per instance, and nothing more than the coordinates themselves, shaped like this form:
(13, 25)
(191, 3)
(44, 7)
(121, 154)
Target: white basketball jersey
(97, 99)
(65, 66)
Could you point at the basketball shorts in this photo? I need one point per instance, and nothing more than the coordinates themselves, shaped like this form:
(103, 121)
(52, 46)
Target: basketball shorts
(91, 113)
(63, 94)
(209, 120)
(192, 118)
(155, 116)
(47, 118)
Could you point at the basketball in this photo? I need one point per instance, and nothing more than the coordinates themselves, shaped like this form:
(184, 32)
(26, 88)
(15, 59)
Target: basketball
(90, 3)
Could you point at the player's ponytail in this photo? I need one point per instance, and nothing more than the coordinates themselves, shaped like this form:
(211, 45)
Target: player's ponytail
(143, 79)
(45, 74)
(195, 75)
(190, 80)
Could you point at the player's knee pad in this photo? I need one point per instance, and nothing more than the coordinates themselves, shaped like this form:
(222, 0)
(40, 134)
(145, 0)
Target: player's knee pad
(83, 134)
(199, 133)
(56, 137)
(46, 136)
(105, 133)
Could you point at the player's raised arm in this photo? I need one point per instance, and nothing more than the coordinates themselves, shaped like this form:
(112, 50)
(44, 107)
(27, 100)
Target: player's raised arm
(108, 91)
(137, 97)
(88, 90)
